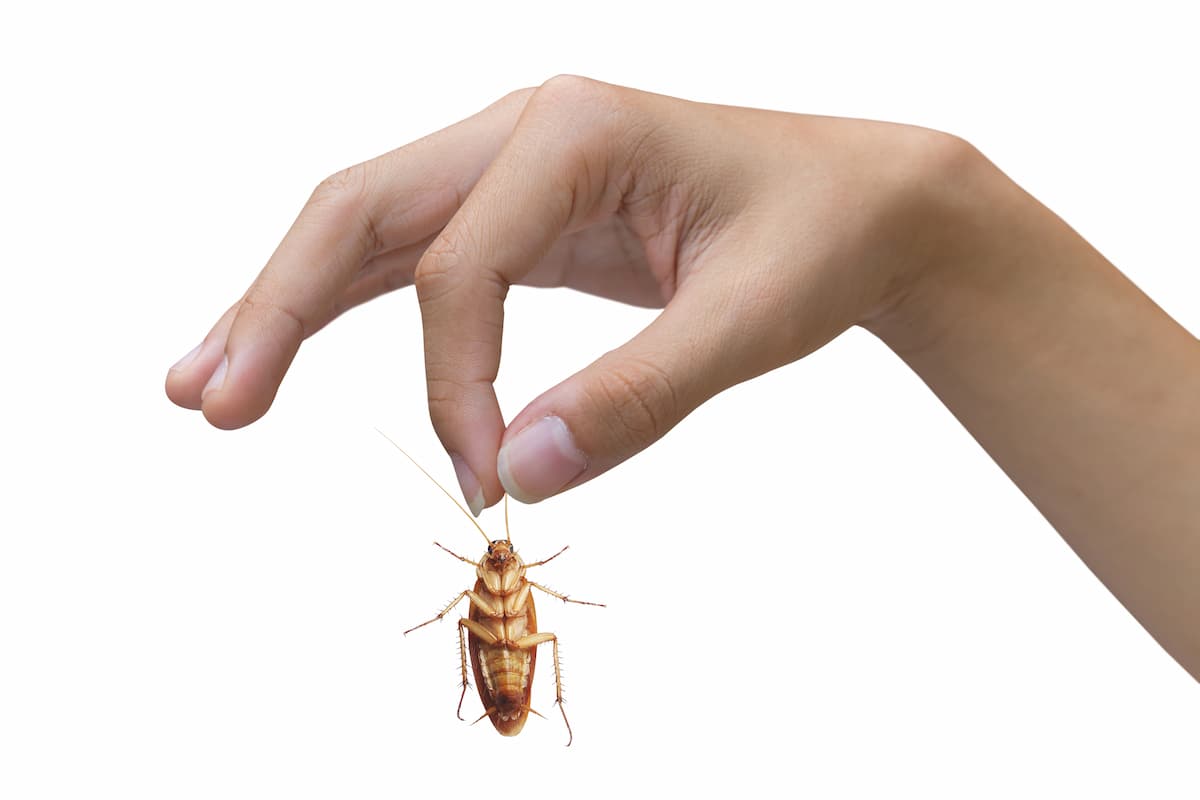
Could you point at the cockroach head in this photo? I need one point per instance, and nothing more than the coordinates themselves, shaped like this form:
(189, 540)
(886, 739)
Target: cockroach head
(500, 552)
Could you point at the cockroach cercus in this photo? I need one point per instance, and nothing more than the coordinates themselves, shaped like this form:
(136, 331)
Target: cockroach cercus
(501, 629)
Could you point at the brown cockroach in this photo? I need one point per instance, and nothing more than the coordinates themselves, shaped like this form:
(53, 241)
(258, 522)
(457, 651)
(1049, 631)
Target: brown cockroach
(501, 628)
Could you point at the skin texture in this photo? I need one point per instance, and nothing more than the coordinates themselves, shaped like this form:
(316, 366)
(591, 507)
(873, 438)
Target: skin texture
(762, 235)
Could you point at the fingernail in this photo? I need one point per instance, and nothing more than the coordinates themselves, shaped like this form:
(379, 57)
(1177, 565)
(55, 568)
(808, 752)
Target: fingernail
(218, 377)
(468, 483)
(539, 461)
(189, 358)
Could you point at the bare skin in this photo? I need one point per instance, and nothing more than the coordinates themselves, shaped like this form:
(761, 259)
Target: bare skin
(762, 235)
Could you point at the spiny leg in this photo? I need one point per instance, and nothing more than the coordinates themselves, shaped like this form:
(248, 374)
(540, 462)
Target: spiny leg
(488, 638)
(445, 611)
(545, 560)
(533, 640)
(484, 607)
(462, 653)
(563, 597)
(558, 698)
(479, 630)
(456, 555)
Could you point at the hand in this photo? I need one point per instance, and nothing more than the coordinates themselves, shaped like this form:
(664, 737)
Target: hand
(762, 234)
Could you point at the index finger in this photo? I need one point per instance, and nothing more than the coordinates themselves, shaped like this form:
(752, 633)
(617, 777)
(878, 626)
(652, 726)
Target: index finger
(551, 175)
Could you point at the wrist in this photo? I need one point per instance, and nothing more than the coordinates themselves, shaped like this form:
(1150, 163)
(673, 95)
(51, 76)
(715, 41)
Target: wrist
(968, 219)
(1079, 387)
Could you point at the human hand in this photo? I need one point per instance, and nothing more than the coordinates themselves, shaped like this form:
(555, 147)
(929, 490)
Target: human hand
(762, 234)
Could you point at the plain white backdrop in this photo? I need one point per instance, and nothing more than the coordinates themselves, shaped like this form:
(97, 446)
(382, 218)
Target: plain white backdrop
(818, 584)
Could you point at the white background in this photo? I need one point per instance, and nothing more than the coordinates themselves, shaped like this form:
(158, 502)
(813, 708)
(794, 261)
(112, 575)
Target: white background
(818, 585)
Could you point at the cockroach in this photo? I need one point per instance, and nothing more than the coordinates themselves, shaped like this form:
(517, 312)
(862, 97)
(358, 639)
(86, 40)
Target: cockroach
(501, 628)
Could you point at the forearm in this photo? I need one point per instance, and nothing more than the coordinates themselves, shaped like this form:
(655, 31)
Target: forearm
(1083, 390)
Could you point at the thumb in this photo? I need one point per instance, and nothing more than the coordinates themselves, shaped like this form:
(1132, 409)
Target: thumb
(614, 408)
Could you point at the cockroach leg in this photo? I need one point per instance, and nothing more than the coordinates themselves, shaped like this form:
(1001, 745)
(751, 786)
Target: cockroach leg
(479, 630)
(558, 698)
(563, 597)
(462, 653)
(547, 560)
(462, 558)
(533, 640)
(445, 611)
(483, 606)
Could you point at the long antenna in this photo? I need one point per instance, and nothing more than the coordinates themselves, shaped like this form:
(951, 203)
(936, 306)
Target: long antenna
(466, 513)
(507, 535)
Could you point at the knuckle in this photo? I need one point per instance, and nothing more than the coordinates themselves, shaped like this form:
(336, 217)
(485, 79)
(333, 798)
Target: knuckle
(437, 271)
(572, 85)
(571, 96)
(347, 193)
(445, 398)
(273, 308)
(345, 188)
(642, 398)
(444, 391)
(517, 97)
(582, 128)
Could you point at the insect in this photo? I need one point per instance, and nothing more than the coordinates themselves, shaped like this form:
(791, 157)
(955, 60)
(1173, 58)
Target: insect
(501, 628)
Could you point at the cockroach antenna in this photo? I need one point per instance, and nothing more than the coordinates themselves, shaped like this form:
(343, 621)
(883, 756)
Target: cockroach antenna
(507, 535)
(466, 513)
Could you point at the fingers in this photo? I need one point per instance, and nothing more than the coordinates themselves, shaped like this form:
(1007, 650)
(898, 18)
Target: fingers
(602, 260)
(622, 403)
(186, 379)
(552, 174)
(366, 211)
(326, 246)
